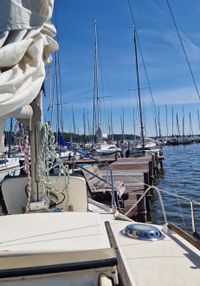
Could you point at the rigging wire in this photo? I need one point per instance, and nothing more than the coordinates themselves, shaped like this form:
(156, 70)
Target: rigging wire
(57, 85)
(183, 48)
(58, 74)
(178, 202)
(143, 61)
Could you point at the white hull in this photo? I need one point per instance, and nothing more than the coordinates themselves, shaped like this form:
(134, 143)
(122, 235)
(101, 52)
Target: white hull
(105, 149)
(11, 167)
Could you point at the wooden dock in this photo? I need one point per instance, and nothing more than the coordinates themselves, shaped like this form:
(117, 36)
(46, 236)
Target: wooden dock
(137, 173)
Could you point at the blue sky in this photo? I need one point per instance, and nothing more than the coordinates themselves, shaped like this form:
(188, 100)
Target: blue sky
(166, 66)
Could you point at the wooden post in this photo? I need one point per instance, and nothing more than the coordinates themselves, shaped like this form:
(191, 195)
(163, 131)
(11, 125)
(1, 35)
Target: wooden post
(147, 197)
(146, 180)
(161, 164)
(153, 165)
(156, 164)
(151, 176)
(141, 209)
(142, 206)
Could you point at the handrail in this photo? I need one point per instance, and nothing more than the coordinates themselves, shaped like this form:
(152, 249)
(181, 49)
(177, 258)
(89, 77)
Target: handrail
(162, 204)
(143, 195)
(95, 175)
(179, 196)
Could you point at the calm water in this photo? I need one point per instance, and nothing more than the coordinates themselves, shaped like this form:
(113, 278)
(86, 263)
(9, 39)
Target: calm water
(181, 176)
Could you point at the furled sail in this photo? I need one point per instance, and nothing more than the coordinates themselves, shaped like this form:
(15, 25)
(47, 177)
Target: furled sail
(26, 40)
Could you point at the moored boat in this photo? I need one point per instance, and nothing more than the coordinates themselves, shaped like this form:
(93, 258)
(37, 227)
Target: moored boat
(52, 233)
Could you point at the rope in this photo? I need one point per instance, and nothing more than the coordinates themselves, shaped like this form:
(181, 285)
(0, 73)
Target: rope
(25, 148)
(47, 160)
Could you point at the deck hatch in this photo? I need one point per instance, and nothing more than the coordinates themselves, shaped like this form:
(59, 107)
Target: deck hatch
(142, 231)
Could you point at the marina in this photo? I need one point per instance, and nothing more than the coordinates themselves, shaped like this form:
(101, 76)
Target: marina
(99, 183)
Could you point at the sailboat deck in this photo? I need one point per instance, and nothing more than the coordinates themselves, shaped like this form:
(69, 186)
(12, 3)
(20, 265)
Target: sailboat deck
(167, 261)
(51, 232)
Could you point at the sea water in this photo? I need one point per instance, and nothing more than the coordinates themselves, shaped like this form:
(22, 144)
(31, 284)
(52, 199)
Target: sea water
(181, 176)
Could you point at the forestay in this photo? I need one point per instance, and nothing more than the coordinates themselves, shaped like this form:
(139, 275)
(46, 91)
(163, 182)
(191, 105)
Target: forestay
(26, 40)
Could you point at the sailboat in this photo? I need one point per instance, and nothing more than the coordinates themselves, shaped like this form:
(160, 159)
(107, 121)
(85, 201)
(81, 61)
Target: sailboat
(100, 147)
(145, 144)
(8, 165)
(54, 234)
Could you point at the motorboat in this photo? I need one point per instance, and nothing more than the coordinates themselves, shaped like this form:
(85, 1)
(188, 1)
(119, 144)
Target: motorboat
(149, 144)
(104, 148)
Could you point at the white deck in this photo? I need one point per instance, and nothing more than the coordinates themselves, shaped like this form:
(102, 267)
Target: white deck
(171, 261)
(45, 232)
(167, 262)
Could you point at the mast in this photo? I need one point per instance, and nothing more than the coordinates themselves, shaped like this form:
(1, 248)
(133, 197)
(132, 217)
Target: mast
(96, 116)
(172, 121)
(177, 124)
(138, 89)
(88, 126)
(156, 127)
(166, 114)
(10, 138)
(36, 124)
(122, 125)
(183, 123)
(191, 128)
(134, 129)
(84, 123)
(110, 128)
(198, 118)
(159, 125)
(73, 121)
(111, 124)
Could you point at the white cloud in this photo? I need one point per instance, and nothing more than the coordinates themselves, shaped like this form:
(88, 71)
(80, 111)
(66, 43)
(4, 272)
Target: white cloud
(182, 95)
(176, 96)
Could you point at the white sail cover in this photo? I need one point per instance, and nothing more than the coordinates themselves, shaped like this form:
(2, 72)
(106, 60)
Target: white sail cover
(26, 40)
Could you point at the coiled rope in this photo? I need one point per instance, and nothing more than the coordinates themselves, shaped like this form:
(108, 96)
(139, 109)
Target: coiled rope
(47, 160)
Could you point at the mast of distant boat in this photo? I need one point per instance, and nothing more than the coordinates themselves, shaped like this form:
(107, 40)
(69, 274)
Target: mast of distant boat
(183, 124)
(190, 122)
(134, 129)
(159, 126)
(96, 87)
(166, 119)
(138, 90)
(172, 121)
(198, 119)
(122, 125)
(84, 125)
(177, 124)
